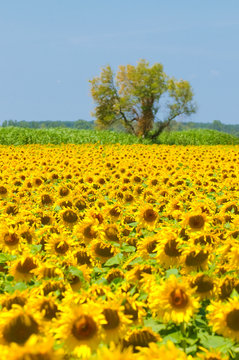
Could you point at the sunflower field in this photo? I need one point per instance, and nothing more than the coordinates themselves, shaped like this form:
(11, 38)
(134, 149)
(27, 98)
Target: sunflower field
(119, 251)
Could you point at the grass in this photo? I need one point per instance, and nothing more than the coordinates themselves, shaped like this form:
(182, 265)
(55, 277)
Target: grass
(20, 136)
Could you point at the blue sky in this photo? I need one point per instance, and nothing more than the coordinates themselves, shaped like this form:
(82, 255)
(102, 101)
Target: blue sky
(50, 49)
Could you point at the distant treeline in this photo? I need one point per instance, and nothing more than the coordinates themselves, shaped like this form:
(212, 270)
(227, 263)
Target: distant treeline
(78, 124)
(90, 125)
(232, 129)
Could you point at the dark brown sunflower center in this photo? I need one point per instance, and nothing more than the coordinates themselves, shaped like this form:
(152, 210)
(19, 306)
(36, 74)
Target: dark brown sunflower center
(27, 265)
(196, 222)
(84, 328)
(80, 204)
(151, 246)
(115, 212)
(27, 236)
(112, 318)
(61, 247)
(83, 258)
(66, 203)
(150, 215)
(232, 207)
(18, 300)
(11, 239)
(226, 288)
(203, 240)
(129, 310)
(170, 248)
(141, 338)
(204, 284)
(104, 250)
(145, 270)
(178, 299)
(50, 309)
(89, 233)
(112, 233)
(46, 199)
(232, 320)
(193, 259)
(20, 328)
(3, 190)
(64, 191)
(70, 216)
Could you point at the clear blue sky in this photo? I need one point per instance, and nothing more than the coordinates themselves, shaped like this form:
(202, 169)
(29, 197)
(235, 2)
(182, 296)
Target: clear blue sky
(50, 49)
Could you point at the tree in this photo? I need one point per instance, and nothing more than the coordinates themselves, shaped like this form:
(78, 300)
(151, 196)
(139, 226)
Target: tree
(132, 97)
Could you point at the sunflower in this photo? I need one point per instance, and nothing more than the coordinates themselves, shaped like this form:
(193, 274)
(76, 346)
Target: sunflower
(87, 230)
(59, 245)
(165, 351)
(115, 212)
(34, 348)
(18, 324)
(48, 270)
(78, 276)
(147, 245)
(3, 191)
(116, 321)
(195, 220)
(111, 232)
(138, 338)
(84, 256)
(17, 298)
(204, 285)
(69, 217)
(102, 250)
(47, 306)
(22, 269)
(224, 318)
(173, 300)
(114, 274)
(60, 287)
(133, 308)
(80, 327)
(196, 258)
(211, 354)
(226, 286)
(115, 352)
(148, 216)
(138, 272)
(10, 240)
(168, 252)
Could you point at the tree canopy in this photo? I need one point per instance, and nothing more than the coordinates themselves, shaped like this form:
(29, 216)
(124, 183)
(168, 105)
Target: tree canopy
(133, 97)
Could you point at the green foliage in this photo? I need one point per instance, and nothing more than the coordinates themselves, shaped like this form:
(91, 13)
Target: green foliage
(17, 136)
(197, 137)
(79, 124)
(132, 96)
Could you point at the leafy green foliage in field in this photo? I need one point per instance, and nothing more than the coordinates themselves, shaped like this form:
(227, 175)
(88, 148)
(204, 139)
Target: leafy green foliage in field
(20, 136)
(17, 136)
(197, 137)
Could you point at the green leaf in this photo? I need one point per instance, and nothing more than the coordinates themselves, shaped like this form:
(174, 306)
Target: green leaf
(215, 341)
(57, 208)
(234, 294)
(35, 248)
(115, 260)
(76, 272)
(171, 272)
(175, 337)
(154, 325)
(6, 257)
(128, 248)
(133, 224)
